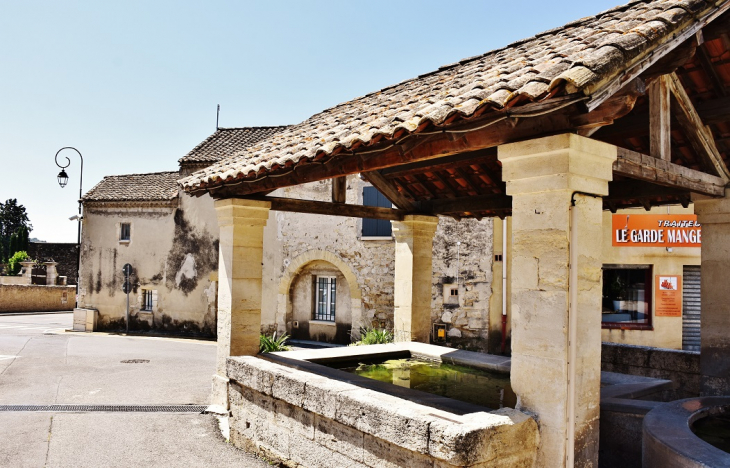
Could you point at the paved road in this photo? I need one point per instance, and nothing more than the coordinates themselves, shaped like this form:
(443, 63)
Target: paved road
(41, 363)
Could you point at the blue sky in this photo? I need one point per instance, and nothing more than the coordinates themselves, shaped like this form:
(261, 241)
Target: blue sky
(134, 85)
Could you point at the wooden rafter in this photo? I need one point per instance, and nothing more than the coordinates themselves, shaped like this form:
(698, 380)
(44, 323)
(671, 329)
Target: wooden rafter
(698, 134)
(478, 204)
(709, 68)
(658, 171)
(390, 191)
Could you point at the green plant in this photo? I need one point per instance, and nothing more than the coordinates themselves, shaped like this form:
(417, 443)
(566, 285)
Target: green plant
(272, 344)
(370, 336)
(14, 262)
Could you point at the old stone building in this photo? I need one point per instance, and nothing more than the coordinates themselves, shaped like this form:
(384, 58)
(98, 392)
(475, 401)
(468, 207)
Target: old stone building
(325, 279)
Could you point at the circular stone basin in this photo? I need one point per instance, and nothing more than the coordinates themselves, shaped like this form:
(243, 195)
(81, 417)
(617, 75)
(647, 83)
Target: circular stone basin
(668, 439)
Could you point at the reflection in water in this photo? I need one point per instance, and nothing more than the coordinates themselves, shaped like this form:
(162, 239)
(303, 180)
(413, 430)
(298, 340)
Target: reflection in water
(480, 387)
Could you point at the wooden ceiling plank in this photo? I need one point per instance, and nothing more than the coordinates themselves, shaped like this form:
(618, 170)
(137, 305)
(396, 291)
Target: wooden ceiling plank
(423, 183)
(390, 191)
(461, 173)
(660, 141)
(699, 135)
(477, 204)
(446, 184)
(657, 171)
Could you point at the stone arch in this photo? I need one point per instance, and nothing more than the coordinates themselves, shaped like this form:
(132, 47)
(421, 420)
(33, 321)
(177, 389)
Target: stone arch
(284, 304)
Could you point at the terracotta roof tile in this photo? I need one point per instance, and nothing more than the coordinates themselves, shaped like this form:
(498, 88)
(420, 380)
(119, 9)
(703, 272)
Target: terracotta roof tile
(135, 187)
(227, 141)
(587, 54)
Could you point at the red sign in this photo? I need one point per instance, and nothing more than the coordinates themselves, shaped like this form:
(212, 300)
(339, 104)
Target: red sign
(651, 230)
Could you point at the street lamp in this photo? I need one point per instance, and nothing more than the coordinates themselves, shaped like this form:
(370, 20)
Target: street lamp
(62, 181)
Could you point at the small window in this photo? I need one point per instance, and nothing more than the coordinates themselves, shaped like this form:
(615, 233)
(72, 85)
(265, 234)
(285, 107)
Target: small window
(326, 298)
(627, 296)
(148, 299)
(125, 231)
(375, 227)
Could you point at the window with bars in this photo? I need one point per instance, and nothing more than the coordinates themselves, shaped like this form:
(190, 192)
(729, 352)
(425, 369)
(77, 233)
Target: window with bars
(147, 302)
(326, 288)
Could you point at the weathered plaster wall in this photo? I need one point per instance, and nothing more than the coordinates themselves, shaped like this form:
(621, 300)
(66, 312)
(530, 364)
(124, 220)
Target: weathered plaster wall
(667, 331)
(36, 298)
(173, 251)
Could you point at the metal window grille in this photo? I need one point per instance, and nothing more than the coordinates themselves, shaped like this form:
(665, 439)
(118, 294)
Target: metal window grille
(125, 232)
(326, 298)
(146, 299)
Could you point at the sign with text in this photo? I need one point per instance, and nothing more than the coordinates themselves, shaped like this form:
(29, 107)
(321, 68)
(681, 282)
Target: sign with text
(651, 230)
(668, 296)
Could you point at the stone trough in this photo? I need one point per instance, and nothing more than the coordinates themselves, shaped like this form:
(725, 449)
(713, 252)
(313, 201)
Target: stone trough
(292, 408)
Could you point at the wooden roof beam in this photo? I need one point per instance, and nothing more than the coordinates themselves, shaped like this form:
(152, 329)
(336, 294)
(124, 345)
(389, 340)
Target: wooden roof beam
(699, 135)
(658, 171)
(708, 67)
(495, 202)
(332, 209)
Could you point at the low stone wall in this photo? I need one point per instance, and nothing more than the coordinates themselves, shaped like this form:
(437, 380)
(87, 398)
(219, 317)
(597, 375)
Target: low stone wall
(35, 298)
(14, 280)
(300, 418)
(681, 367)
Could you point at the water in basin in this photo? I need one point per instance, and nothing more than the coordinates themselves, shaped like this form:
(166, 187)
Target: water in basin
(468, 384)
(714, 430)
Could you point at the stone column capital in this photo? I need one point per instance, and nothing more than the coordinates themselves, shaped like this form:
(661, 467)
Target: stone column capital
(240, 211)
(711, 210)
(561, 162)
(415, 226)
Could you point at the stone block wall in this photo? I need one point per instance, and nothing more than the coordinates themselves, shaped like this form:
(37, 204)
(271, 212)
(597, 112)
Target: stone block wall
(35, 298)
(63, 254)
(681, 367)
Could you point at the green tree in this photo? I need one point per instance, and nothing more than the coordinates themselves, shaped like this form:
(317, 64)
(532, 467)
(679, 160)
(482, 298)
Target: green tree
(14, 262)
(12, 217)
(13, 244)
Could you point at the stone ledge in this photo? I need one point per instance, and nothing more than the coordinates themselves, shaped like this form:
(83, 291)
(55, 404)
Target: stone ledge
(458, 440)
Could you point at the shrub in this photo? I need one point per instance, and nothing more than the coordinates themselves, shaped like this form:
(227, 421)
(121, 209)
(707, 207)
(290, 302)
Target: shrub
(370, 336)
(14, 262)
(272, 344)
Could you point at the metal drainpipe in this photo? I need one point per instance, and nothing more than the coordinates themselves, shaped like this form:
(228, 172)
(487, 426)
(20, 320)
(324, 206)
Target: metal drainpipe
(504, 285)
(572, 336)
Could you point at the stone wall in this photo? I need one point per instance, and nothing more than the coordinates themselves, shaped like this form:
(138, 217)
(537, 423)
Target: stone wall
(681, 367)
(36, 298)
(65, 255)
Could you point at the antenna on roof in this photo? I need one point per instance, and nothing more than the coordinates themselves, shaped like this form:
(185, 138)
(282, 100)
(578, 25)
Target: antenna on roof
(217, 116)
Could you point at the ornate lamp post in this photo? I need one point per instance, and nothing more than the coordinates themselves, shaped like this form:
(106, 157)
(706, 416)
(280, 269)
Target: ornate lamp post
(62, 181)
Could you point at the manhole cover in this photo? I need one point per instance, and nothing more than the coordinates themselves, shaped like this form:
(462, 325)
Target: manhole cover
(135, 361)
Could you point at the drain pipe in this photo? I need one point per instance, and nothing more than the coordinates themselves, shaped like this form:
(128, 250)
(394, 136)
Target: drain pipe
(504, 285)
(572, 326)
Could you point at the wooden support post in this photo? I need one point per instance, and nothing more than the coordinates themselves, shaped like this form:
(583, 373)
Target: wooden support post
(339, 189)
(660, 143)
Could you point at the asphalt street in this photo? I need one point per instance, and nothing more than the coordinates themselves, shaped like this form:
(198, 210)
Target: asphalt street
(41, 363)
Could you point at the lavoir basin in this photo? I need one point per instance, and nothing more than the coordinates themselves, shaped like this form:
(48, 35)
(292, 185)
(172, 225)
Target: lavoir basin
(323, 408)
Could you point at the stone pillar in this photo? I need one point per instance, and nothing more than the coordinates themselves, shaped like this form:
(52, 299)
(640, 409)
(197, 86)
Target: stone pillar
(27, 271)
(240, 269)
(51, 273)
(714, 216)
(413, 272)
(543, 176)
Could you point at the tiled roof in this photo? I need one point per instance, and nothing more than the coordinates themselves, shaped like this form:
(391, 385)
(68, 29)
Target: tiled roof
(582, 56)
(227, 141)
(135, 187)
